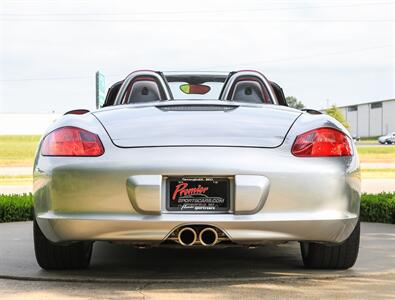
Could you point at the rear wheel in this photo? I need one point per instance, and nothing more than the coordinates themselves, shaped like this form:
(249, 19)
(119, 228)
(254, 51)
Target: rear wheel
(339, 257)
(51, 256)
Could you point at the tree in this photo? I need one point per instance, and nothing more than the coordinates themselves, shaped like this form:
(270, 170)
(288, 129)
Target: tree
(294, 103)
(336, 113)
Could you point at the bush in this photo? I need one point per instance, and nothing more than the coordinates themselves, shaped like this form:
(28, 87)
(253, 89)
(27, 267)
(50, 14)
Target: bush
(337, 114)
(378, 208)
(374, 208)
(16, 208)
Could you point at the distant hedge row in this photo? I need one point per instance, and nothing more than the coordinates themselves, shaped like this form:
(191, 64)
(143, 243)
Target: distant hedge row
(16, 208)
(374, 208)
(378, 208)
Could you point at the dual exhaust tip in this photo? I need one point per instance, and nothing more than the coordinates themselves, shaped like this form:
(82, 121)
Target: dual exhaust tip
(207, 236)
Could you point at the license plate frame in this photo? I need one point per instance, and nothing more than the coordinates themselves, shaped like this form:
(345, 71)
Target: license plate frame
(201, 194)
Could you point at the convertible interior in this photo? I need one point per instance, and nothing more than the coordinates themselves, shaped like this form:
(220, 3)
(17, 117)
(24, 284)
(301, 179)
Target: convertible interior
(148, 86)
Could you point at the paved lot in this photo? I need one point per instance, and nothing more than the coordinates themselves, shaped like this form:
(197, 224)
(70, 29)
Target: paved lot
(372, 287)
(15, 189)
(374, 186)
(119, 271)
(12, 171)
(378, 165)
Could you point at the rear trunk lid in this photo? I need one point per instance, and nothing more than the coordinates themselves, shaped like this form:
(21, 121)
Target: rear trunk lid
(186, 124)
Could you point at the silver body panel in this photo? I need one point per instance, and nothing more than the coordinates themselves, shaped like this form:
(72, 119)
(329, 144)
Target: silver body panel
(233, 125)
(120, 196)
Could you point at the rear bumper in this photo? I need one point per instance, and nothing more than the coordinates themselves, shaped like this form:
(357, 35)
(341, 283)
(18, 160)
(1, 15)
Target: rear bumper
(330, 227)
(276, 197)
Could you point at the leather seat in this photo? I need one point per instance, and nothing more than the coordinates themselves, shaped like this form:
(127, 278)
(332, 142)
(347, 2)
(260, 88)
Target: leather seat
(143, 86)
(247, 86)
(247, 91)
(144, 91)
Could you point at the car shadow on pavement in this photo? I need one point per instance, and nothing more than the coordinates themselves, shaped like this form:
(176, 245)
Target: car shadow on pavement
(120, 262)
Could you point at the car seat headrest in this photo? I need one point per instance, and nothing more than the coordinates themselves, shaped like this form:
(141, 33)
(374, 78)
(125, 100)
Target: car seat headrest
(144, 91)
(248, 91)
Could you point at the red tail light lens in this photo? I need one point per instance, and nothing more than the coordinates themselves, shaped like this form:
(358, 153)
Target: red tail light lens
(72, 141)
(77, 112)
(322, 142)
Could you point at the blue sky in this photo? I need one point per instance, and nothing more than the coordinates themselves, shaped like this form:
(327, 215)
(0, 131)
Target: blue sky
(336, 52)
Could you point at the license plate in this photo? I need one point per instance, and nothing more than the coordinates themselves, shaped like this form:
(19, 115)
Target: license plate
(198, 194)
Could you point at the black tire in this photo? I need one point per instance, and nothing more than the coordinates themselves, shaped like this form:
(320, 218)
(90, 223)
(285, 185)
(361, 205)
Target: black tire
(51, 256)
(336, 257)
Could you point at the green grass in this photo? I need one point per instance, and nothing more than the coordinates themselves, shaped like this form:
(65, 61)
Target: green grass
(374, 208)
(379, 154)
(369, 139)
(378, 173)
(368, 142)
(16, 179)
(18, 150)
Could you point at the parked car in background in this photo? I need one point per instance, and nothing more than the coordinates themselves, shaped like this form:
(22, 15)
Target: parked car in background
(387, 139)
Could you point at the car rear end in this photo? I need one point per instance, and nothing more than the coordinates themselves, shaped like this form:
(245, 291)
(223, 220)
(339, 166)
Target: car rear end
(208, 185)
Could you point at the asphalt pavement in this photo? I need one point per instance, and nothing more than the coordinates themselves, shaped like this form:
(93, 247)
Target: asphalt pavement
(377, 185)
(372, 287)
(120, 271)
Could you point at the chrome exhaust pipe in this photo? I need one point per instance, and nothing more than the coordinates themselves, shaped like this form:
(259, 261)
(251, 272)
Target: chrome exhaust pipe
(187, 236)
(208, 236)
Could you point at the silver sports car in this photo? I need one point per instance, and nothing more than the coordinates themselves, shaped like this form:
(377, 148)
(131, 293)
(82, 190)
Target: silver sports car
(196, 160)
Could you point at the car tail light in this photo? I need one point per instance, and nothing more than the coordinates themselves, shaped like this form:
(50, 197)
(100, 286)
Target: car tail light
(72, 141)
(77, 112)
(322, 142)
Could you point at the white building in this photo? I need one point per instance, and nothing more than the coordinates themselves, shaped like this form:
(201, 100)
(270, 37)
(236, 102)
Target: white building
(370, 119)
